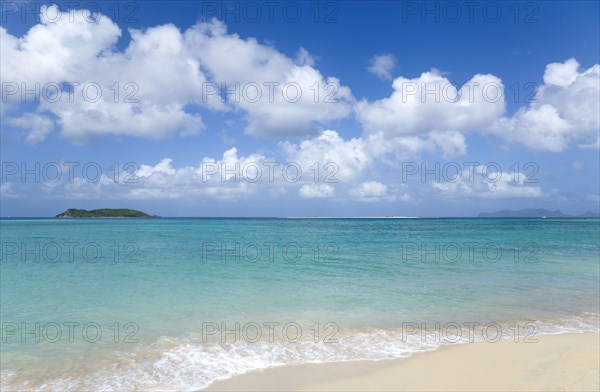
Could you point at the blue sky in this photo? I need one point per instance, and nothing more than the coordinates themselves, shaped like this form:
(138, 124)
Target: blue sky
(368, 137)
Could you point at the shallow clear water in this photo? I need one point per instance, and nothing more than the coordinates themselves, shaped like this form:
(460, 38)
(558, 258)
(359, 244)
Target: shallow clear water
(161, 291)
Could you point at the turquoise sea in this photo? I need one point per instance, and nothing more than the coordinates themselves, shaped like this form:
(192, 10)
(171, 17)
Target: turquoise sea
(175, 304)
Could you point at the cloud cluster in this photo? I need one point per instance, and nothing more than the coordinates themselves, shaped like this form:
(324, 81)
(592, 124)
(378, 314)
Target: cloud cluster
(280, 96)
(565, 109)
(431, 103)
(232, 177)
(563, 112)
(162, 80)
(92, 89)
(347, 158)
(492, 185)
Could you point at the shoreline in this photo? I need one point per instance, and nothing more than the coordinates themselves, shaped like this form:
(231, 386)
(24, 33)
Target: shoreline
(568, 361)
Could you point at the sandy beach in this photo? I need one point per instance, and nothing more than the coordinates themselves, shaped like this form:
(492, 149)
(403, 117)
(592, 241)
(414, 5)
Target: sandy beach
(566, 362)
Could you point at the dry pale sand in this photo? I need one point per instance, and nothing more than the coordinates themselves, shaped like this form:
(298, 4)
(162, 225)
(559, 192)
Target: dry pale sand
(567, 362)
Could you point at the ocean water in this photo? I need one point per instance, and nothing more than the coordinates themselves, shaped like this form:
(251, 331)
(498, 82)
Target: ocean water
(175, 304)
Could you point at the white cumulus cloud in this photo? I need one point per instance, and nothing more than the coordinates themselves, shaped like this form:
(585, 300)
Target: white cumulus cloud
(371, 191)
(382, 66)
(431, 103)
(164, 78)
(316, 191)
(36, 126)
(565, 109)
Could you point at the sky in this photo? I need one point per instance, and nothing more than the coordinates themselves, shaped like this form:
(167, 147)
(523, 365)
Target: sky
(292, 108)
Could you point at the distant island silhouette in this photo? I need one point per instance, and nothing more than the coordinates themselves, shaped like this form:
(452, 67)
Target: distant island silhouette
(534, 213)
(104, 213)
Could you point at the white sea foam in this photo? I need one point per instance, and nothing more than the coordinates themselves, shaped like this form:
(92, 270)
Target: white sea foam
(189, 364)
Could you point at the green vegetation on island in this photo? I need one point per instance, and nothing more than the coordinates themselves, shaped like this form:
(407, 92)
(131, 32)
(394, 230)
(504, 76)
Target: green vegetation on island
(104, 213)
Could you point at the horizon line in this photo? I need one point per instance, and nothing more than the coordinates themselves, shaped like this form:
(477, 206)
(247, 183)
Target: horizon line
(310, 217)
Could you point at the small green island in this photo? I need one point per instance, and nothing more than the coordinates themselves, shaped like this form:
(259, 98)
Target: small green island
(104, 213)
